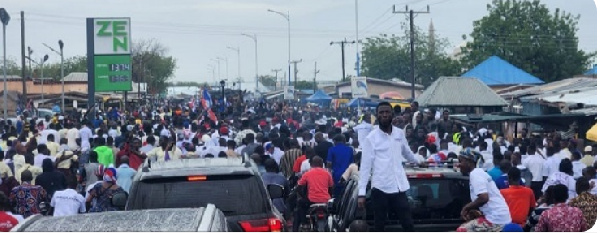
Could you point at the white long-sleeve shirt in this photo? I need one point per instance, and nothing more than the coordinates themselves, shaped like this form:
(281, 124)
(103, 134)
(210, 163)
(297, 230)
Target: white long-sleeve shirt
(382, 164)
(363, 129)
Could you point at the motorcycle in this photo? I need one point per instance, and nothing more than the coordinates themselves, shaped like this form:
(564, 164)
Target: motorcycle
(318, 217)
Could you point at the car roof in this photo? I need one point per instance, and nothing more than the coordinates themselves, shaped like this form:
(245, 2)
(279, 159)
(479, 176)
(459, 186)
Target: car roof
(423, 173)
(174, 219)
(203, 166)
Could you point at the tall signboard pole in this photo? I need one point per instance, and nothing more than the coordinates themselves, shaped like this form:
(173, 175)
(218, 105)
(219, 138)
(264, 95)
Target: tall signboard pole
(109, 57)
(90, 67)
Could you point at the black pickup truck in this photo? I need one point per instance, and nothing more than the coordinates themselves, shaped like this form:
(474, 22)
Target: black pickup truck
(436, 197)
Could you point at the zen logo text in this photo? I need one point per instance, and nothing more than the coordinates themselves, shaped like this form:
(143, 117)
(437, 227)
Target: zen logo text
(118, 30)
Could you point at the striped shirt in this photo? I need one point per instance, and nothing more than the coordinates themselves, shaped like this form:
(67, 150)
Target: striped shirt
(286, 163)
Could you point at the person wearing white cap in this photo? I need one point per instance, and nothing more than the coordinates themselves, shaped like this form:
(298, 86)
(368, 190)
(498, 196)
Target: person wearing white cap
(588, 159)
(363, 129)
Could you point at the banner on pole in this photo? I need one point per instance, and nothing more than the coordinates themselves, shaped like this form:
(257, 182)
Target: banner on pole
(359, 87)
(288, 92)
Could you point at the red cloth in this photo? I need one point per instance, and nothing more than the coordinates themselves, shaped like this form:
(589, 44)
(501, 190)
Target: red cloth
(7, 222)
(318, 181)
(134, 160)
(339, 124)
(298, 163)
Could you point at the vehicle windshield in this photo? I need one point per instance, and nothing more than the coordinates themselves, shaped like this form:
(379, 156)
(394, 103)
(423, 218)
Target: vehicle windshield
(234, 195)
(437, 198)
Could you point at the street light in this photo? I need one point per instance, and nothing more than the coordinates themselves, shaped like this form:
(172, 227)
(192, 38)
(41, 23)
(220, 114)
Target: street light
(61, 45)
(226, 66)
(222, 95)
(4, 17)
(237, 49)
(287, 17)
(253, 37)
(218, 68)
(42, 64)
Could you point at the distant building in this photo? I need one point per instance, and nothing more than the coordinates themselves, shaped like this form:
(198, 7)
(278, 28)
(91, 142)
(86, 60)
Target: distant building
(376, 87)
(499, 74)
(462, 96)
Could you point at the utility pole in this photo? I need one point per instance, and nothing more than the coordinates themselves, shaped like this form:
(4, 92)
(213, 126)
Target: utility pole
(412, 43)
(342, 43)
(295, 70)
(23, 58)
(315, 78)
(276, 78)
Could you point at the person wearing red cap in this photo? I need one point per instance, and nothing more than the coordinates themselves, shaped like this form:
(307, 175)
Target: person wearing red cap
(224, 133)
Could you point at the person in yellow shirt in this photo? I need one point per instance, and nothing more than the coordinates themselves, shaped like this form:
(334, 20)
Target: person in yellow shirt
(4, 169)
(35, 171)
(4, 142)
(52, 145)
(589, 158)
(166, 151)
(64, 159)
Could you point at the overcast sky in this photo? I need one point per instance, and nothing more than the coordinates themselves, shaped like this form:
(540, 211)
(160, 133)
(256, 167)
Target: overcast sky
(196, 31)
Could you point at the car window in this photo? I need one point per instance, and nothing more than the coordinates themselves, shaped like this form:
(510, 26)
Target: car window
(234, 195)
(438, 198)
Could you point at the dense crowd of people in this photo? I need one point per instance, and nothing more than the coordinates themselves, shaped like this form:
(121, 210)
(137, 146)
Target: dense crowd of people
(76, 165)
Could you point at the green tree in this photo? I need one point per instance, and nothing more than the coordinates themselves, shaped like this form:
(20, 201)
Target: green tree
(304, 85)
(528, 35)
(267, 80)
(151, 65)
(388, 56)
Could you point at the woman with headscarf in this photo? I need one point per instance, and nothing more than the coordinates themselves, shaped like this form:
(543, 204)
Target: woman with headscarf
(102, 193)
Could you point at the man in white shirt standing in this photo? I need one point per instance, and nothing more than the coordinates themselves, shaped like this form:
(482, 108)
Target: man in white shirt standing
(383, 150)
(535, 164)
(363, 129)
(72, 135)
(485, 197)
(85, 133)
(68, 202)
(43, 153)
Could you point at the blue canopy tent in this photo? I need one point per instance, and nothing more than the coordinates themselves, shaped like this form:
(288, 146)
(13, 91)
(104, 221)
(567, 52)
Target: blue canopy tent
(363, 103)
(319, 97)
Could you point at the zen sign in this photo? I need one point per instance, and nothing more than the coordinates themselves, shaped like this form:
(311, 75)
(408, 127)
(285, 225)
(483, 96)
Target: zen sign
(112, 36)
(111, 56)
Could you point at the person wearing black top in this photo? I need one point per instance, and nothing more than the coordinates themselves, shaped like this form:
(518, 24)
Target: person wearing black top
(50, 179)
(323, 146)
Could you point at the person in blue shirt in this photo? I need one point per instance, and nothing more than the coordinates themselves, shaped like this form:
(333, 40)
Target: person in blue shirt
(495, 172)
(20, 125)
(272, 176)
(502, 180)
(339, 157)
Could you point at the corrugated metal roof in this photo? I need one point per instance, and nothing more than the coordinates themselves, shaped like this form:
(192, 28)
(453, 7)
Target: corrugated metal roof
(76, 77)
(497, 72)
(459, 91)
(586, 96)
(565, 84)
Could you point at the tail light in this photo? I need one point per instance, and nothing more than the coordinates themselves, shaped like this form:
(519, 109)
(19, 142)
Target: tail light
(262, 225)
(320, 215)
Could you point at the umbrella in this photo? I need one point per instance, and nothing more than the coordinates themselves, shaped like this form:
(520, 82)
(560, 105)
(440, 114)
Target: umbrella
(391, 95)
(592, 133)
